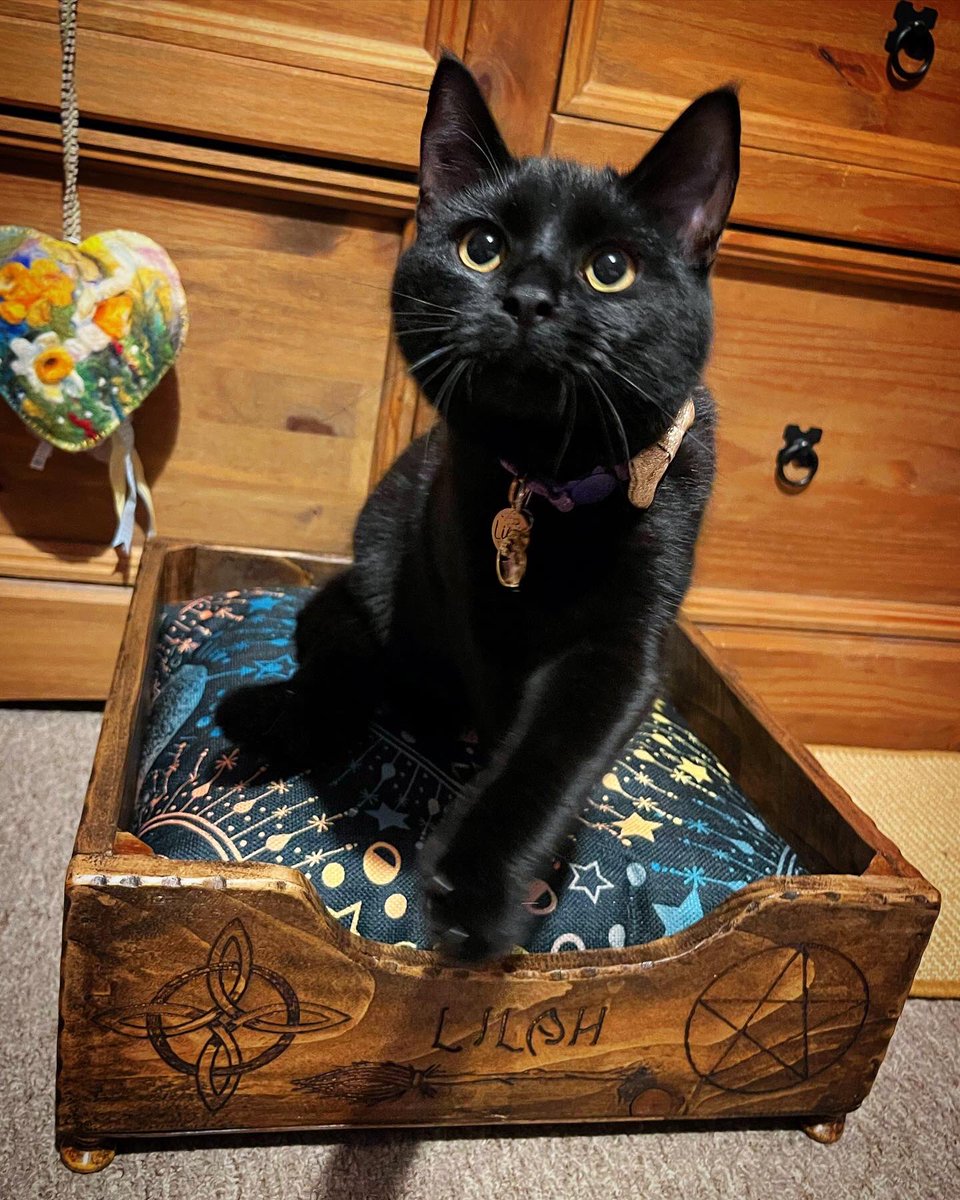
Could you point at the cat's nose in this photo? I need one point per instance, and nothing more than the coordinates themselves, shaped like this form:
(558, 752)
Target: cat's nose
(529, 303)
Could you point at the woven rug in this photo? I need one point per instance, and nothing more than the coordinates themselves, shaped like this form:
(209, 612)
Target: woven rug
(914, 797)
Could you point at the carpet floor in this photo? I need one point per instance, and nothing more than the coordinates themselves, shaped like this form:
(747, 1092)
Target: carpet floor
(903, 1144)
(914, 797)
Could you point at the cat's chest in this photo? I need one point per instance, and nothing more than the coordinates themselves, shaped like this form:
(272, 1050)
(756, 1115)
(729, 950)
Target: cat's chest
(581, 576)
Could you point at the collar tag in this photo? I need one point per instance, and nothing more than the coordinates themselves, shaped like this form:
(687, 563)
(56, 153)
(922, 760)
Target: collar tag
(511, 536)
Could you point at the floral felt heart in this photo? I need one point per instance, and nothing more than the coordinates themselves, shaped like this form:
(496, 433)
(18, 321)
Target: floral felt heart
(86, 332)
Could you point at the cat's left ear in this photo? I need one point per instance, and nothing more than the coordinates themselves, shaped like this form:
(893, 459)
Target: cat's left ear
(460, 142)
(688, 179)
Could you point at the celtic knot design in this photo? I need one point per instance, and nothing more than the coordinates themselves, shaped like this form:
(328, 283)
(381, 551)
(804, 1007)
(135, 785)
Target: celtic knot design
(202, 1010)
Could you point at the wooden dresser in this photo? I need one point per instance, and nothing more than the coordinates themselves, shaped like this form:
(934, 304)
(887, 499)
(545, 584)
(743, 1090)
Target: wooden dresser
(272, 146)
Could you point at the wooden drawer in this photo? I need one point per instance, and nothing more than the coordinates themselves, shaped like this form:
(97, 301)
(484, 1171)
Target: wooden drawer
(60, 640)
(858, 690)
(819, 111)
(339, 80)
(872, 362)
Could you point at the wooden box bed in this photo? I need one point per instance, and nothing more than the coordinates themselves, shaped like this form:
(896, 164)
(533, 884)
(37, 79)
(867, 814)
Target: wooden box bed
(203, 997)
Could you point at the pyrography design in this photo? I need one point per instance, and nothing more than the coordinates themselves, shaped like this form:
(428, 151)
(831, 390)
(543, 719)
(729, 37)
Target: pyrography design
(777, 1018)
(219, 1040)
(373, 1083)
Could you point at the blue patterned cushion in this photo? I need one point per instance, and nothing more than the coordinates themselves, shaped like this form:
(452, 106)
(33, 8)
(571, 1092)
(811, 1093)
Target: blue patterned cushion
(663, 837)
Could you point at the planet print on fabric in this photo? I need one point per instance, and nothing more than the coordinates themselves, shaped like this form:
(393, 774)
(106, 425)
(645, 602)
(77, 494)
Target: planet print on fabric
(664, 835)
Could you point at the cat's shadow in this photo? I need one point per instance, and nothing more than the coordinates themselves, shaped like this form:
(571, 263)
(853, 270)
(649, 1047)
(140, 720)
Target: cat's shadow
(374, 1165)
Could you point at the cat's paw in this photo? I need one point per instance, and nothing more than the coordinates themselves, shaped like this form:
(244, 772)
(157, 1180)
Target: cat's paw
(270, 719)
(475, 905)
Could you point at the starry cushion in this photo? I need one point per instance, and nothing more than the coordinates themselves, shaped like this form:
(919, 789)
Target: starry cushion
(663, 837)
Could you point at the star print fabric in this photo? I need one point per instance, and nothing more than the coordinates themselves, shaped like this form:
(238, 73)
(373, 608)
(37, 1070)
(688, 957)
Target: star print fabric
(664, 835)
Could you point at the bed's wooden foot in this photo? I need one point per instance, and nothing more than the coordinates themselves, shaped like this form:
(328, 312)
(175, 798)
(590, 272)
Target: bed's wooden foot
(825, 1132)
(86, 1159)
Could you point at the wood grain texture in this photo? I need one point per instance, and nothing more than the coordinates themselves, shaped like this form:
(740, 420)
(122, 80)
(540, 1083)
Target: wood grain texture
(790, 788)
(376, 39)
(60, 640)
(73, 562)
(822, 614)
(243, 169)
(321, 113)
(325, 1029)
(813, 77)
(264, 433)
(398, 403)
(798, 193)
(875, 368)
(894, 693)
(169, 571)
(515, 52)
(382, 1036)
(856, 265)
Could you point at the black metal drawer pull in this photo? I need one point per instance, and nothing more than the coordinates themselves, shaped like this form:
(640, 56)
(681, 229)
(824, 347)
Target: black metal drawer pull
(798, 451)
(912, 36)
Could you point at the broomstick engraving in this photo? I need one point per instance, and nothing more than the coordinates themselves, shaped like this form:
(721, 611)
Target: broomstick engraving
(372, 1083)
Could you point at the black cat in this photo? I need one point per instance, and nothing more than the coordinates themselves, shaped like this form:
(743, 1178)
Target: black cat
(559, 319)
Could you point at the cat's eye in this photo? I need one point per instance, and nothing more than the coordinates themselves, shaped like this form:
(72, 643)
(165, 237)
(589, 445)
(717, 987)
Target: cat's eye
(481, 248)
(610, 270)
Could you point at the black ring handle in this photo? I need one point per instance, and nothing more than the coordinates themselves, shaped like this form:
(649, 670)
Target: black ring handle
(798, 450)
(922, 41)
(912, 36)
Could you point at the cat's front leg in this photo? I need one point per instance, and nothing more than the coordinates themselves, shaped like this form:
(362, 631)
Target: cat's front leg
(309, 719)
(575, 715)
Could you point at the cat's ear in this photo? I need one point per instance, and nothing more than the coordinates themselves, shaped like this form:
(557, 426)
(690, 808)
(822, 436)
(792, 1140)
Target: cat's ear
(687, 180)
(460, 142)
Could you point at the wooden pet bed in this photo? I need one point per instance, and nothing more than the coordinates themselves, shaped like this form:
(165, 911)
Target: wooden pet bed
(200, 997)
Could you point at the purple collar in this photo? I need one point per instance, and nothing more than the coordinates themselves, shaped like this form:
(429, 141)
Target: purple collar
(589, 489)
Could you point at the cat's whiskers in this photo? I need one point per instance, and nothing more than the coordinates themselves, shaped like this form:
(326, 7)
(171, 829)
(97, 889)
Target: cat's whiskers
(422, 362)
(444, 394)
(391, 291)
(417, 329)
(568, 398)
(420, 300)
(656, 404)
(602, 394)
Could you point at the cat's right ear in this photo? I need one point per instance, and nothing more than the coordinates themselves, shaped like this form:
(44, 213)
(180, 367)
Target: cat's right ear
(460, 143)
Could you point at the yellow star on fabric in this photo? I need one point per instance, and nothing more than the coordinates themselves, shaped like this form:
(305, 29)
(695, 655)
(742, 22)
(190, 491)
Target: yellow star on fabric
(637, 826)
(695, 770)
(352, 911)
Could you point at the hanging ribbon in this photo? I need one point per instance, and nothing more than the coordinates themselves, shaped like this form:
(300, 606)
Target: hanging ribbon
(128, 482)
(127, 478)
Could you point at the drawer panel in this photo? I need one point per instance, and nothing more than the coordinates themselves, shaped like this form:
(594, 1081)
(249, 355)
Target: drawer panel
(60, 640)
(848, 690)
(799, 194)
(814, 83)
(338, 80)
(264, 434)
(874, 366)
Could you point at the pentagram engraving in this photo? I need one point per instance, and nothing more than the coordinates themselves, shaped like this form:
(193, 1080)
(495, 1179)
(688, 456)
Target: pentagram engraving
(777, 1018)
(203, 1007)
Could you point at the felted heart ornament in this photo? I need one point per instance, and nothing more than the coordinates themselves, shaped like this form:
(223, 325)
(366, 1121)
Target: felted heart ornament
(86, 331)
